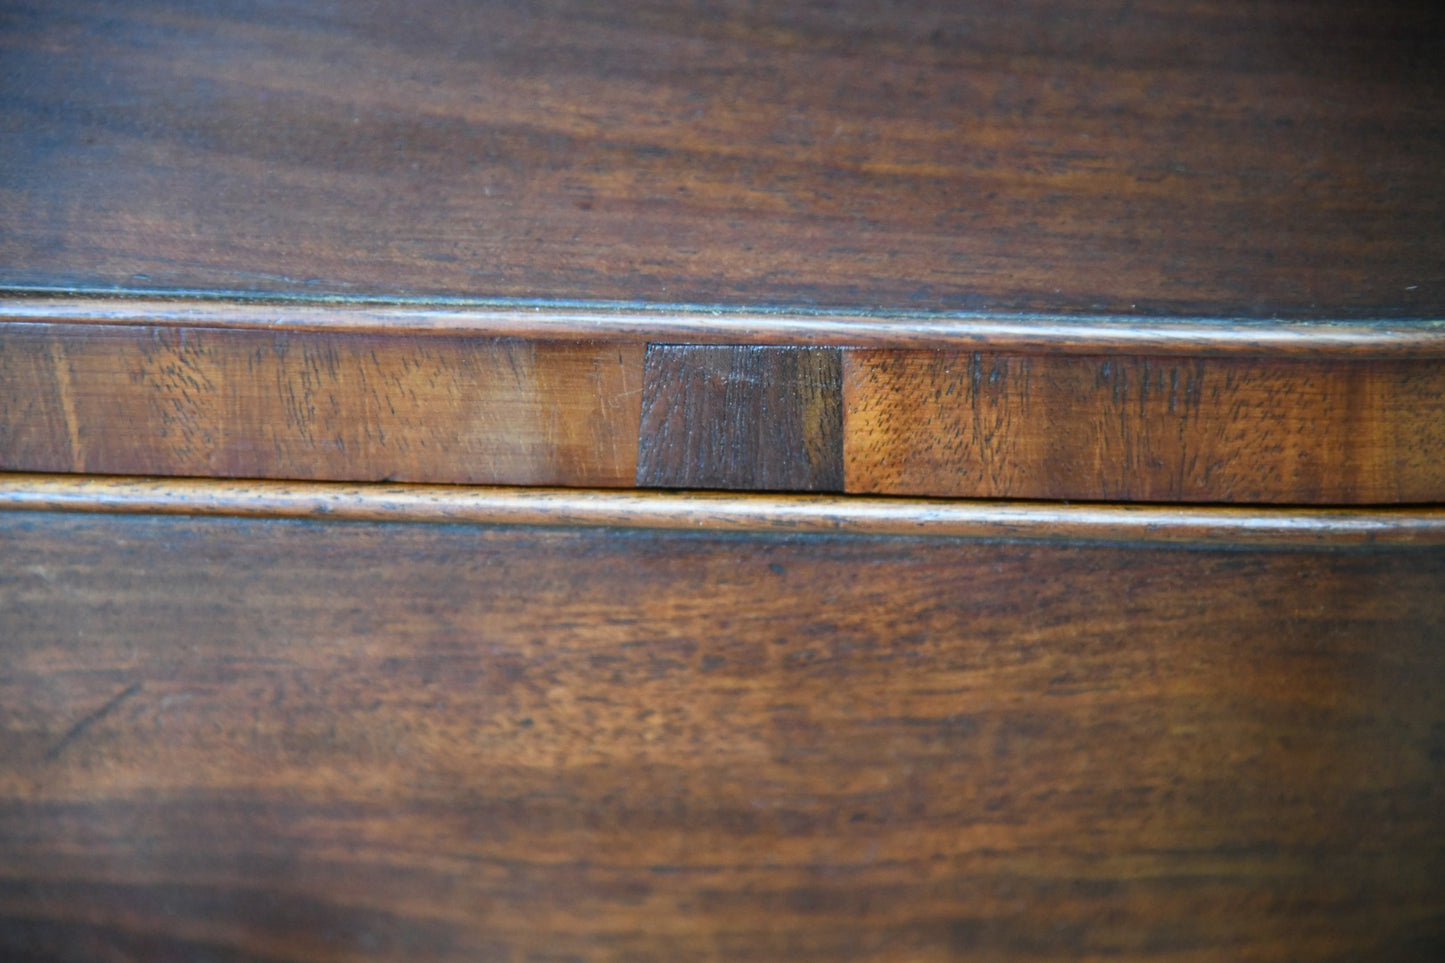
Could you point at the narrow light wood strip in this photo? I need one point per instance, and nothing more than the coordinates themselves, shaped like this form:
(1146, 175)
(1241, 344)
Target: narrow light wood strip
(720, 512)
(1081, 334)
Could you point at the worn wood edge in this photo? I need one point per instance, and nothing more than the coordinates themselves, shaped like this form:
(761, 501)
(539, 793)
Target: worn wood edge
(727, 513)
(1083, 334)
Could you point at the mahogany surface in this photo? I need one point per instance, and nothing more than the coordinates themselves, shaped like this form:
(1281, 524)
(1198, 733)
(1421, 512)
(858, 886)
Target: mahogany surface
(948, 268)
(246, 739)
(324, 404)
(318, 405)
(1181, 429)
(742, 417)
(1226, 158)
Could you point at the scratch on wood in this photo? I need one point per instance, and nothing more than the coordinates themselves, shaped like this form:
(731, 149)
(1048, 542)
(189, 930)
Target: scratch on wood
(77, 730)
(67, 404)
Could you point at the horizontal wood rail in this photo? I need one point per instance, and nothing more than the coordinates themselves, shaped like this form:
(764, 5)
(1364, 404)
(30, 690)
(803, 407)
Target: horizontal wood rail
(724, 512)
(720, 324)
(1319, 414)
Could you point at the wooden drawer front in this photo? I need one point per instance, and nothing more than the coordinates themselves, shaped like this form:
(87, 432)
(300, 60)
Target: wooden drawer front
(1224, 158)
(300, 740)
(1324, 428)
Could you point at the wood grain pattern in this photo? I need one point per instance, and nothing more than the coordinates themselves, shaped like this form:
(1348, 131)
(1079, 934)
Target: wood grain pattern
(718, 512)
(290, 740)
(1153, 429)
(317, 405)
(1231, 158)
(747, 418)
(451, 408)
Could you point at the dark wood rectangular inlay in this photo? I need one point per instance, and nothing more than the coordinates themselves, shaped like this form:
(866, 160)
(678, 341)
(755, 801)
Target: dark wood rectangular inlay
(742, 417)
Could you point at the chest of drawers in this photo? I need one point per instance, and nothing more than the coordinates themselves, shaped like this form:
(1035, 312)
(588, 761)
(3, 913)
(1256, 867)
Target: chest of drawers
(656, 481)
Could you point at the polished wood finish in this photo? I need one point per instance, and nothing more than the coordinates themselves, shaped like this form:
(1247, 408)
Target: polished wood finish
(750, 513)
(296, 740)
(1145, 429)
(795, 327)
(1225, 158)
(1060, 249)
(750, 418)
(1352, 426)
(318, 405)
